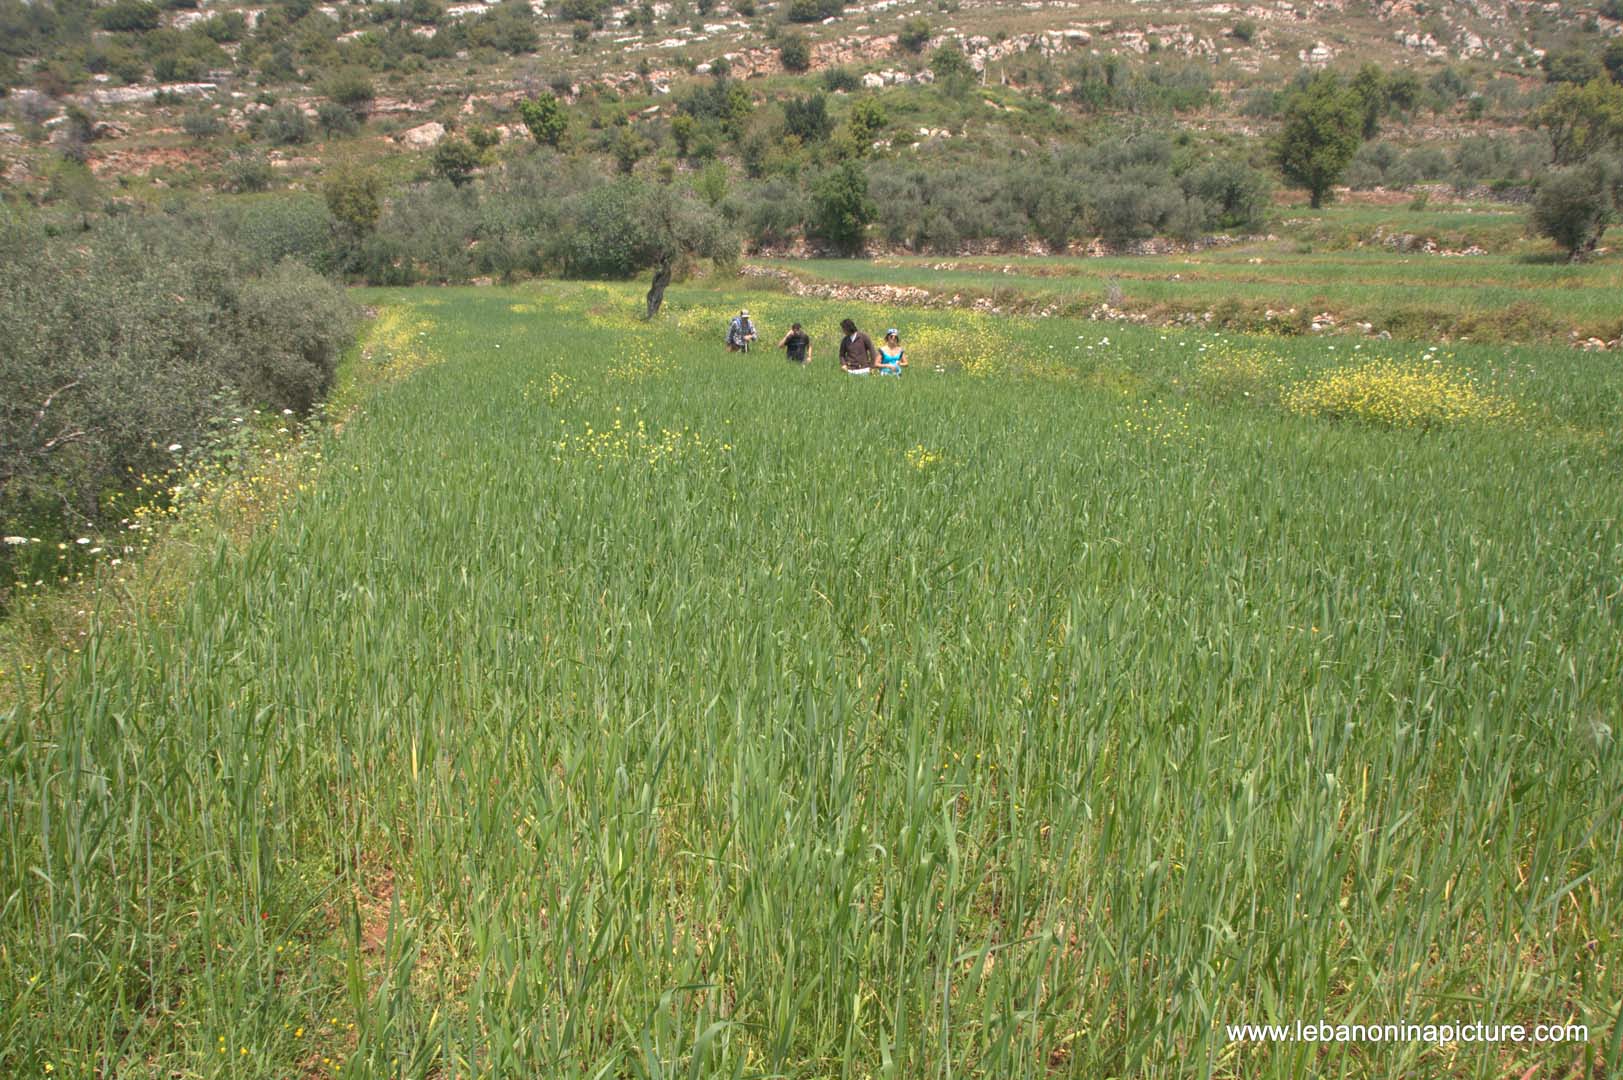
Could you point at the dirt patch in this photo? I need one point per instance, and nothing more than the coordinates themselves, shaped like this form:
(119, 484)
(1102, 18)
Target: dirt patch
(374, 904)
(139, 162)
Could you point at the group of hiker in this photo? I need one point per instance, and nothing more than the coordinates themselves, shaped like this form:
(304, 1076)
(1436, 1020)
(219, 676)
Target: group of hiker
(858, 355)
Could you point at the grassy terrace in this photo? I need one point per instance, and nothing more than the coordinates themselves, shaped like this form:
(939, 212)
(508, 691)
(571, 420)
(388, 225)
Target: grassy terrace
(1521, 294)
(610, 706)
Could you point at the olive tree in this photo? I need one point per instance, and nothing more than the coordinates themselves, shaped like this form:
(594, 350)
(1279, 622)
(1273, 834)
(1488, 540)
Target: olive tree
(632, 225)
(1574, 205)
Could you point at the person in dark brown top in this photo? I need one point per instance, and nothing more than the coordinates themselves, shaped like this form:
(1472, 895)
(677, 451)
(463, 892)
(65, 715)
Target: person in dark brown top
(856, 350)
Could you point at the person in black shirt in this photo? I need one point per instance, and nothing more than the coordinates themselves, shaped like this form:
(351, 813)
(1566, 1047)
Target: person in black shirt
(796, 344)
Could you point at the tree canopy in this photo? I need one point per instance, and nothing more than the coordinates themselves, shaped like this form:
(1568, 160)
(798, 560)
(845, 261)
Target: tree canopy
(1324, 123)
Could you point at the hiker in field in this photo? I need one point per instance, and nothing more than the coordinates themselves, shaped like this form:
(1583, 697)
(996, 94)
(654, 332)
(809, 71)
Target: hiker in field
(741, 332)
(856, 350)
(796, 344)
(892, 357)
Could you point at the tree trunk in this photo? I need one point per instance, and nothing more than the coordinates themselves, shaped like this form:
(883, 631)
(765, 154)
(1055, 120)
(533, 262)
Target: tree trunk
(656, 291)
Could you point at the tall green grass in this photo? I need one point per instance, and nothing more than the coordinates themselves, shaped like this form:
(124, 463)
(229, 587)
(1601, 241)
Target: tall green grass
(1035, 724)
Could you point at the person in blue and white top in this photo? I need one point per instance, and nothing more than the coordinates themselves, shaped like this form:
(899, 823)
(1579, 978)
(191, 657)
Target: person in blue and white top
(892, 357)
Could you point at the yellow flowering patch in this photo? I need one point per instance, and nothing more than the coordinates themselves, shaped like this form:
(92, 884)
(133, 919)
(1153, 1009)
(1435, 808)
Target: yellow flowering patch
(771, 319)
(638, 360)
(978, 346)
(393, 347)
(968, 342)
(605, 308)
(552, 391)
(398, 341)
(634, 442)
(1235, 371)
(705, 320)
(921, 457)
(1399, 395)
(1161, 422)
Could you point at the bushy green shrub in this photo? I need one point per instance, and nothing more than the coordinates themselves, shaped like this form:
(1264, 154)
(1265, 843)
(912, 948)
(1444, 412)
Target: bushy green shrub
(456, 159)
(722, 101)
(952, 70)
(841, 80)
(335, 119)
(246, 170)
(178, 67)
(807, 118)
(114, 58)
(841, 208)
(267, 229)
(771, 213)
(282, 125)
(914, 35)
(1576, 66)
(508, 27)
(119, 346)
(545, 118)
(289, 327)
(131, 16)
(1237, 194)
(590, 11)
(202, 124)
(794, 50)
(605, 233)
(225, 26)
(426, 232)
(350, 86)
(1573, 206)
(809, 11)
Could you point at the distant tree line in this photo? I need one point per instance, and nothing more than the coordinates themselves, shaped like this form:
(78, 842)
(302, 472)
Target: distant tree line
(1325, 120)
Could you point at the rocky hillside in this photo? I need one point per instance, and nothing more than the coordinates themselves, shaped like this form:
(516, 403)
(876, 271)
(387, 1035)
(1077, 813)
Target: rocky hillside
(167, 93)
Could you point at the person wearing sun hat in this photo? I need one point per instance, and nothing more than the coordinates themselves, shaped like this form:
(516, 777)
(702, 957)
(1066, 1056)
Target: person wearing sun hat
(892, 357)
(741, 332)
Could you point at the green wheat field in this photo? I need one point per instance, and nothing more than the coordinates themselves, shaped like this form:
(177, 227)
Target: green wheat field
(609, 706)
